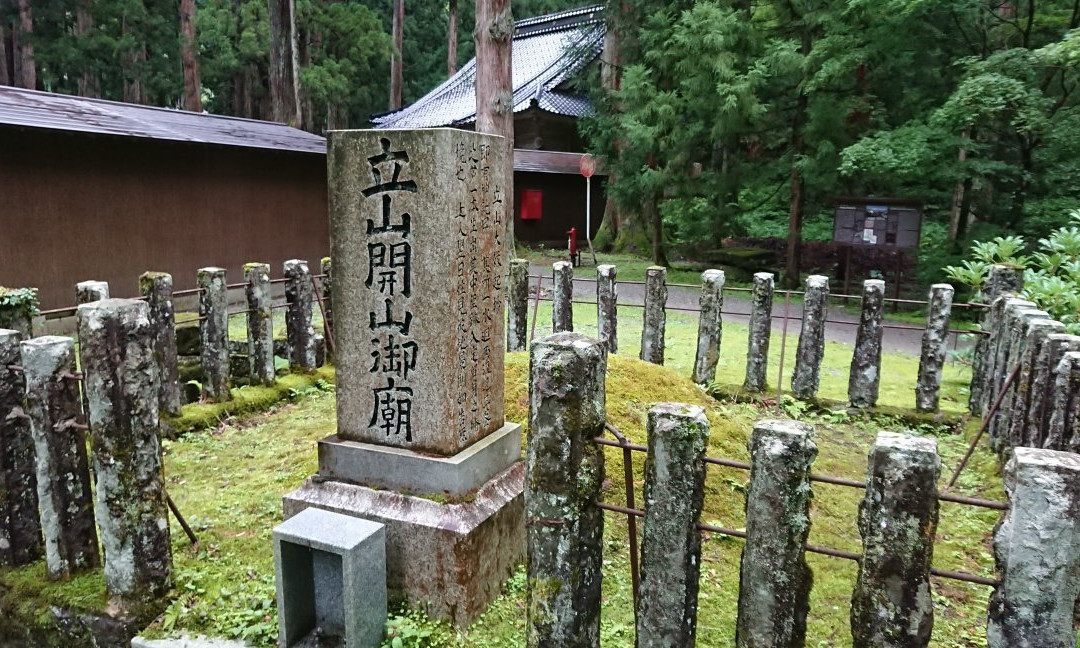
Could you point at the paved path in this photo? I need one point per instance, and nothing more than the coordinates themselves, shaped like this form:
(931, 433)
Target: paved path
(841, 326)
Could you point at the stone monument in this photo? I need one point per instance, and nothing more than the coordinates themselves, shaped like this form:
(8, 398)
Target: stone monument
(417, 241)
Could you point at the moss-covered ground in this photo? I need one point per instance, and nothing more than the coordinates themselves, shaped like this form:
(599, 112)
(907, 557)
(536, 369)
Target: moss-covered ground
(228, 480)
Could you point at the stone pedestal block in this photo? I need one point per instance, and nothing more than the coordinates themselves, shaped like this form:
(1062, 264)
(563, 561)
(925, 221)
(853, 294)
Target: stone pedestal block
(710, 326)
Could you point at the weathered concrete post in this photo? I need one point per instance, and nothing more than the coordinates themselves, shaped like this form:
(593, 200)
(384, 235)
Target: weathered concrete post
(1063, 432)
(865, 377)
(562, 295)
(121, 387)
(20, 529)
(807, 375)
(326, 293)
(157, 288)
(63, 471)
(710, 326)
(1043, 388)
(517, 306)
(607, 314)
(260, 323)
(774, 579)
(671, 541)
(1035, 548)
(1001, 281)
(1031, 374)
(891, 605)
(564, 471)
(654, 321)
(298, 293)
(214, 331)
(91, 291)
(757, 352)
(935, 346)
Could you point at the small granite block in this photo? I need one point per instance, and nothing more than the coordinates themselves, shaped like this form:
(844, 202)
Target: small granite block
(331, 579)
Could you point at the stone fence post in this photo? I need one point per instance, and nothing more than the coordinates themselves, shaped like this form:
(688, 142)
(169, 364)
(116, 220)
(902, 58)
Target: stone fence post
(91, 291)
(710, 326)
(807, 375)
(998, 367)
(564, 474)
(671, 541)
(607, 316)
(326, 293)
(1031, 374)
(301, 334)
(1063, 431)
(157, 288)
(935, 346)
(757, 352)
(891, 604)
(1043, 388)
(774, 580)
(121, 386)
(1002, 280)
(654, 321)
(1035, 548)
(260, 323)
(517, 306)
(214, 331)
(20, 529)
(865, 377)
(63, 471)
(1018, 318)
(562, 295)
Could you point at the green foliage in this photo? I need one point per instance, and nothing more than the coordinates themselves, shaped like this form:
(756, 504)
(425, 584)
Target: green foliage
(23, 301)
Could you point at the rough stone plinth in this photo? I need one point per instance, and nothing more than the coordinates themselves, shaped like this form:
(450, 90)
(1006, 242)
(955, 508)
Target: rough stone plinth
(121, 389)
(1017, 321)
(1031, 374)
(301, 334)
(517, 306)
(865, 377)
(935, 346)
(63, 471)
(564, 475)
(260, 323)
(157, 288)
(20, 529)
(417, 236)
(671, 541)
(331, 580)
(1043, 386)
(326, 294)
(654, 321)
(774, 580)
(450, 559)
(807, 375)
(1063, 430)
(891, 606)
(607, 309)
(1035, 548)
(710, 326)
(562, 296)
(214, 333)
(91, 291)
(757, 352)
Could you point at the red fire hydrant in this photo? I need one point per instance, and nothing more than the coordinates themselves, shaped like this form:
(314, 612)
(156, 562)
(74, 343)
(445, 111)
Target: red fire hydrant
(575, 255)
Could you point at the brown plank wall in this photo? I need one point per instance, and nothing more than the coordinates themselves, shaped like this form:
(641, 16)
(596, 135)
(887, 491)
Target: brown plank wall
(564, 207)
(78, 206)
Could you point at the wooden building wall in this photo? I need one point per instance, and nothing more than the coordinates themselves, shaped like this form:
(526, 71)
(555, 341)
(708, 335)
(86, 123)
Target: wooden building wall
(78, 206)
(563, 207)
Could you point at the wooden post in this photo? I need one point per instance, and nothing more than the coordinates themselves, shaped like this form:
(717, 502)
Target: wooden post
(395, 58)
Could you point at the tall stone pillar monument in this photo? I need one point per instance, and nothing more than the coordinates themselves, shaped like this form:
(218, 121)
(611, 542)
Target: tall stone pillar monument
(417, 242)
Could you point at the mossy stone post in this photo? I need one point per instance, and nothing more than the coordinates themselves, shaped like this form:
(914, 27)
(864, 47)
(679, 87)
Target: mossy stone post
(121, 386)
(214, 333)
(298, 294)
(517, 306)
(757, 351)
(1043, 388)
(997, 354)
(1032, 373)
(563, 478)
(91, 291)
(671, 541)
(983, 379)
(157, 288)
(562, 295)
(326, 293)
(891, 605)
(1035, 549)
(1002, 280)
(710, 326)
(607, 308)
(655, 318)
(774, 579)
(20, 528)
(63, 470)
(865, 377)
(806, 378)
(260, 323)
(1017, 321)
(1063, 430)
(935, 346)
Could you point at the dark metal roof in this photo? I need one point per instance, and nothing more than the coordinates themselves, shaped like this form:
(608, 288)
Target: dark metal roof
(32, 109)
(546, 51)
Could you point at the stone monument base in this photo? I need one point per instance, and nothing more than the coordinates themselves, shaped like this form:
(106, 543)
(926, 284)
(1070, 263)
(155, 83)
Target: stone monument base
(450, 559)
